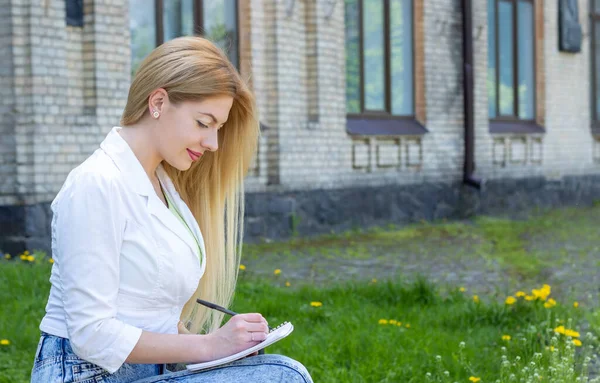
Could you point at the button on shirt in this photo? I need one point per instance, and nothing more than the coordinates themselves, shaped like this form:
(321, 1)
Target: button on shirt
(123, 262)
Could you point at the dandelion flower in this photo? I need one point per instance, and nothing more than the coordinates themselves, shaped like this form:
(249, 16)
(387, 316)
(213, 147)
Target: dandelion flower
(560, 330)
(520, 294)
(277, 271)
(476, 298)
(23, 257)
(576, 304)
(399, 324)
(571, 333)
(530, 298)
(7, 256)
(30, 258)
(51, 260)
(474, 379)
(506, 337)
(287, 283)
(4, 342)
(407, 325)
(550, 303)
(462, 289)
(374, 280)
(242, 267)
(392, 321)
(510, 300)
(383, 321)
(577, 342)
(316, 304)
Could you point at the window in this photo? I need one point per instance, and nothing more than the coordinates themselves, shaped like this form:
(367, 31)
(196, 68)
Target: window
(379, 63)
(596, 64)
(511, 79)
(151, 26)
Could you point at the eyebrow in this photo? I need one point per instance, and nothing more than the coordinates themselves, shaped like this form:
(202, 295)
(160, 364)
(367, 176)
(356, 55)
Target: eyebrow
(211, 116)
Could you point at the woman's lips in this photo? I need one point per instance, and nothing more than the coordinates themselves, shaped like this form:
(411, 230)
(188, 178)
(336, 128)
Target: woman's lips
(194, 155)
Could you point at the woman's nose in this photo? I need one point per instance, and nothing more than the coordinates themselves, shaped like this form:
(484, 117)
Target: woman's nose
(211, 141)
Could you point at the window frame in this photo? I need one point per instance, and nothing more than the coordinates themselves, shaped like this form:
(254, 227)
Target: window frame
(594, 17)
(514, 124)
(198, 22)
(372, 122)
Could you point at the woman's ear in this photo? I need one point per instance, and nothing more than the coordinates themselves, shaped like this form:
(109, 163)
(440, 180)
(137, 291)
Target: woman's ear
(157, 100)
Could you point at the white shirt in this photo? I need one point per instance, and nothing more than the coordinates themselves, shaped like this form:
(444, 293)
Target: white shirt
(123, 262)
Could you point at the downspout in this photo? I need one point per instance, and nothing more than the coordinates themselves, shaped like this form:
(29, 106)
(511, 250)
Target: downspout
(469, 166)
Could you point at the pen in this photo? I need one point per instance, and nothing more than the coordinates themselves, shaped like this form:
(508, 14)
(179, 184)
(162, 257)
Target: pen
(219, 308)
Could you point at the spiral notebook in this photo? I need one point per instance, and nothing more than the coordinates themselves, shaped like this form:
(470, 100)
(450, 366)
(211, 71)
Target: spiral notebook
(274, 335)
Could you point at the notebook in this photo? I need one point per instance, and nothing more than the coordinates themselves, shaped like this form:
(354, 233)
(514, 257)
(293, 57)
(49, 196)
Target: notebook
(274, 335)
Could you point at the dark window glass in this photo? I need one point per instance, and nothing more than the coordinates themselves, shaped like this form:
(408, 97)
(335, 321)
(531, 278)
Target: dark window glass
(379, 57)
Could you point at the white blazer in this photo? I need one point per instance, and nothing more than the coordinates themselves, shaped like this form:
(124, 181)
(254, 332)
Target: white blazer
(123, 262)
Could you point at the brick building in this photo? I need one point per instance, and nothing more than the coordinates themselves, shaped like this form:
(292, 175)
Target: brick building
(371, 110)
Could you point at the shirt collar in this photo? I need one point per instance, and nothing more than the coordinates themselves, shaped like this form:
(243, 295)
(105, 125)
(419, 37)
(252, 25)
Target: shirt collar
(119, 151)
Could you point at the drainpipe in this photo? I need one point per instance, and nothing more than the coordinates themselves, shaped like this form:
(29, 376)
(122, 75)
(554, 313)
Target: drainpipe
(469, 166)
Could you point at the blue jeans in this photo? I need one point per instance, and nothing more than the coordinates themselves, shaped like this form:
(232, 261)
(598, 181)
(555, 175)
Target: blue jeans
(55, 361)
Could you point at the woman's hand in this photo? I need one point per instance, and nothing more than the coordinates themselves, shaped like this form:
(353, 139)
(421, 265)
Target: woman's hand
(241, 332)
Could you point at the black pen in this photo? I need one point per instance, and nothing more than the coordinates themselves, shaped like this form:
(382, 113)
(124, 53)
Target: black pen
(219, 308)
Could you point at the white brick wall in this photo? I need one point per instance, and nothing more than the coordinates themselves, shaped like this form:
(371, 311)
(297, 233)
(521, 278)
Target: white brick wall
(66, 87)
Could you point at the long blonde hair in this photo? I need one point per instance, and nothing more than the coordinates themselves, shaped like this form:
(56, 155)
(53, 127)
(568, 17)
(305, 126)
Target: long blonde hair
(191, 69)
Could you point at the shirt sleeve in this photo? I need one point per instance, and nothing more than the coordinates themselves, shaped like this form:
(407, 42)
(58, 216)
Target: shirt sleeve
(89, 233)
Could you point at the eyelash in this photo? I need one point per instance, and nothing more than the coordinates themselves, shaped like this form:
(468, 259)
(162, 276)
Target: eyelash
(202, 125)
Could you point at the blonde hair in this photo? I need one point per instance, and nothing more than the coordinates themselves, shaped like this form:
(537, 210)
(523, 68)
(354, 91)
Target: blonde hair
(191, 69)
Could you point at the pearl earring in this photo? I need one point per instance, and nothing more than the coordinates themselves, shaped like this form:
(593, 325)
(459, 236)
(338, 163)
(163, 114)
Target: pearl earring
(155, 114)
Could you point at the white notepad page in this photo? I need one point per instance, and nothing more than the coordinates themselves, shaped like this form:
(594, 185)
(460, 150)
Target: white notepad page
(276, 334)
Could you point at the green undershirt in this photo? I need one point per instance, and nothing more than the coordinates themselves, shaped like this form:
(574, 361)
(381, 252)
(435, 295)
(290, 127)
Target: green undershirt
(174, 210)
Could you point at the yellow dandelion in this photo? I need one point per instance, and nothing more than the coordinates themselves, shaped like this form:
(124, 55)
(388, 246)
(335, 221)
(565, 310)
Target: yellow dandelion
(316, 304)
(26, 252)
(476, 298)
(407, 325)
(550, 348)
(51, 260)
(7, 256)
(550, 303)
(399, 324)
(462, 289)
(506, 337)
(30, 258)
(383, 321)
(520, 294)
(277, 271)
(374, 280)
(4, 342)
(577, 342)
(560, 330)
(571, 333)
(242, 267)
(392, 321)
(474, 379)
(287, 284)
(510, 300)
(23, 257)
(576, 304)
(529, 298)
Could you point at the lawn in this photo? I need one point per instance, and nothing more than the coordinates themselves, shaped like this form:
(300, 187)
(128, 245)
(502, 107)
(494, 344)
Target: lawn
(387, 329)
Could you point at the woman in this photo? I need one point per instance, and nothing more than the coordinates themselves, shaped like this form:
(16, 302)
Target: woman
(151, 221)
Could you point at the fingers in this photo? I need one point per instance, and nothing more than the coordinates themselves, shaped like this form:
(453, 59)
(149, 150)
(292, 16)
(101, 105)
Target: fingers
(252, 317)
(257, 336)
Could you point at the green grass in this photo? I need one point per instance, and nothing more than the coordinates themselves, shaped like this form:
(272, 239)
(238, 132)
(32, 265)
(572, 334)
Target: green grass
(341, 341)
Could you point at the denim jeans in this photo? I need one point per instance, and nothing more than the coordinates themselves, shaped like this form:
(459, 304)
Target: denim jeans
(55, 361)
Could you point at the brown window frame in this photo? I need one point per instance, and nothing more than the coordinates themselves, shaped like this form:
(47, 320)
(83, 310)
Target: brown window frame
(198, 24)
(384, 122)
(594, 17)
(514, 124)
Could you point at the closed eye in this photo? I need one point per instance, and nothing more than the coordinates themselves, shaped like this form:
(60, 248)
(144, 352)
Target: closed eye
(202, 125)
